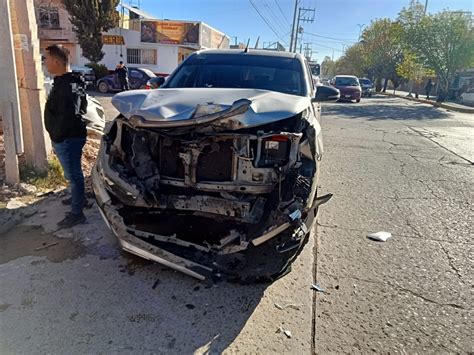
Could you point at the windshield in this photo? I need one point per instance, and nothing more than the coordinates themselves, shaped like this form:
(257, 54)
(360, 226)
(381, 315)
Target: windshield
(240, 71)
(347, 81)
(365, 82)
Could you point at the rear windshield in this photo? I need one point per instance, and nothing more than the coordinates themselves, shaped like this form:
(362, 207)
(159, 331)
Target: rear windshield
(347, 81)
(241, 71)
(148, 72)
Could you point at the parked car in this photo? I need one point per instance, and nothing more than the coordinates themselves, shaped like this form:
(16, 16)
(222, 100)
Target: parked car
(367, 87)
(215, 173)
(348, 86)
(137, 77)
(88, 73)
(467, 98)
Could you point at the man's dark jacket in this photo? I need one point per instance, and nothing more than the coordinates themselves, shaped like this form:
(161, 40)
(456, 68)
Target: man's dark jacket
(122, 73)
(65, 107)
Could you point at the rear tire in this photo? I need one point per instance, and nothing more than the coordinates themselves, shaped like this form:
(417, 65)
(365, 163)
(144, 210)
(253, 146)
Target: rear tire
(103, 87)
(358, 100)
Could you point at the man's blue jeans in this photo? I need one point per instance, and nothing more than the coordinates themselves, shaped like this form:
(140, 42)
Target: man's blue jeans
(69, 153)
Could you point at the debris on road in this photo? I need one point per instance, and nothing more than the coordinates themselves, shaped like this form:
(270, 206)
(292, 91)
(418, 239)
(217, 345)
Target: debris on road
(286, 332)
(317, 287)
(288, 305)
(380, 236)
(46, 246)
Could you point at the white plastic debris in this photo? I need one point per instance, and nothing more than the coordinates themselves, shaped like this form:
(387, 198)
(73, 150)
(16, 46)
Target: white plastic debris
(380, 236)
(286, 332)
(317, 287)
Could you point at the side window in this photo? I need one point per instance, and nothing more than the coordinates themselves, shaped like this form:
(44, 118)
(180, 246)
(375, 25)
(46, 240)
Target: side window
(135, 74)
(310, 78)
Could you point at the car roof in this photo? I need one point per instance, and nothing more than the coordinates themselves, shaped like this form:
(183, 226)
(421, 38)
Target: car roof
(253, 52)
(346, 76)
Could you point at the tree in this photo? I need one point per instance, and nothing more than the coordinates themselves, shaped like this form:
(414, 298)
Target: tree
(411, 69)
(90, 18)
(443, 42)
(352, 62)
(327, 67)
(383, 50)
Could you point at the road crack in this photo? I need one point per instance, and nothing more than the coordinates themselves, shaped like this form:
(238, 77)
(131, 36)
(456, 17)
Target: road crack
(400, 289)
(451, 263)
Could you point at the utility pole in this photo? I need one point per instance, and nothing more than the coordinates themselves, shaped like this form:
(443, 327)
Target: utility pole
(302, 12)
(361, 26)
(426, 6)
(9, 98)
(293, 26)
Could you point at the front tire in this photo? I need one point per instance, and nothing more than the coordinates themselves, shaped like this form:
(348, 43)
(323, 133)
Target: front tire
(358, 100)
(103, 87)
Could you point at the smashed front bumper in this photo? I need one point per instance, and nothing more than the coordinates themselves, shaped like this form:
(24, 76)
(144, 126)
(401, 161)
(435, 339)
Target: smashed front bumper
(264, 258)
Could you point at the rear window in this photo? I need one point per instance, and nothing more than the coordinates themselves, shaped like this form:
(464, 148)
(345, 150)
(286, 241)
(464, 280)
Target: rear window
(148, 72)
(346, 81)
(241, 71)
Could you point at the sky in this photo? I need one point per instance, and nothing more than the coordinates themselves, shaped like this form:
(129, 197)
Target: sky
(336, 23)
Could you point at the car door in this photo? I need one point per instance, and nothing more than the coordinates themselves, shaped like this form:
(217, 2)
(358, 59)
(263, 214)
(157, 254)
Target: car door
(135, 78)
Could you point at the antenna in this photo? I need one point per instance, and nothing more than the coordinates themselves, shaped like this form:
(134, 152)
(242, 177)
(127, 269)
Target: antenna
(247, 46)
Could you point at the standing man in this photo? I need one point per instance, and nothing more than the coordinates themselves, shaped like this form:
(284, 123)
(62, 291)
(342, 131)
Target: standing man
(122, 73)
(429, 85)
(65, 107)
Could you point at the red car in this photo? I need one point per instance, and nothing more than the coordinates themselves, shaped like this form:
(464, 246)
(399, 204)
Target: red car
(349, 87)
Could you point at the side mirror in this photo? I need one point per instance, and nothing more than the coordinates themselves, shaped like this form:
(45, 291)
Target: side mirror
(155, 83)
(326, 93)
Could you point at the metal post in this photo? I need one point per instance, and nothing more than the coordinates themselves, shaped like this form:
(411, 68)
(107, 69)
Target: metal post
(293, 27)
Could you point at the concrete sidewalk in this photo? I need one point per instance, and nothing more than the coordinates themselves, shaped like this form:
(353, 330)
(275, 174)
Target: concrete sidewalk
(446, 105)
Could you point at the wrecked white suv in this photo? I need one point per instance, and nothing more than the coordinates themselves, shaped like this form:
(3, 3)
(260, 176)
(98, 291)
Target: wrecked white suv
(215, 173)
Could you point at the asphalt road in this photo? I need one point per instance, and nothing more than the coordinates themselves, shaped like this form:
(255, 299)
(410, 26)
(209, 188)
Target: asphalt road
(405, 168)
(393, 165)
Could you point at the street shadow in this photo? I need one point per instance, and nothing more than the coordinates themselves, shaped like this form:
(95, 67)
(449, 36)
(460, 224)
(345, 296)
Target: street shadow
(384, 108)
(120, 302)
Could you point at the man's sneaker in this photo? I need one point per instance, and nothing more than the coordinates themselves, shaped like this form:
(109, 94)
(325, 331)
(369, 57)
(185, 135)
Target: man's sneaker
(71, 220)
(67, 202)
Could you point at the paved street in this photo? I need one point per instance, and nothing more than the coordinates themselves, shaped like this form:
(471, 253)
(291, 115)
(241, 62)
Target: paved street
(393, 165)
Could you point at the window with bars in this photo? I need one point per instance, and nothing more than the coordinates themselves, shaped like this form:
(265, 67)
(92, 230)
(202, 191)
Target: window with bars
(48, 17)
(141, 56)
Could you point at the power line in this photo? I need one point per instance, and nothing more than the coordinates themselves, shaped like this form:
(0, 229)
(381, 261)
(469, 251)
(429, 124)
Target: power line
(265, 20)
(282, 13)
(336, 39)
(272, 14)
(321, 45)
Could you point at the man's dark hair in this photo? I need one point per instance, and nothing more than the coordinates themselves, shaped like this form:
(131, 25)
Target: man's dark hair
(120, 62)
(59, 52)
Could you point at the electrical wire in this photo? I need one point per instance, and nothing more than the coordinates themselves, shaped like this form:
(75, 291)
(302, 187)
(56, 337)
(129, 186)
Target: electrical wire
(268, 24)
(282, 13)
(333, 38)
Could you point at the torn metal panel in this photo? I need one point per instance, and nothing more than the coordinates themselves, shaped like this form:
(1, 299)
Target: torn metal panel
(167, 108)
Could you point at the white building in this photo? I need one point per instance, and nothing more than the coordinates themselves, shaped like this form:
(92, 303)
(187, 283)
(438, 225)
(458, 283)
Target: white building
(158, 45)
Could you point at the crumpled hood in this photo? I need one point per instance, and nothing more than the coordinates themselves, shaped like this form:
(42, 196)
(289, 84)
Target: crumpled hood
(181, 106)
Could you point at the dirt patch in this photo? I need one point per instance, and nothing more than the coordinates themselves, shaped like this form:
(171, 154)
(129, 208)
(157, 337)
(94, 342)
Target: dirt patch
(26, 240)
(89, 155)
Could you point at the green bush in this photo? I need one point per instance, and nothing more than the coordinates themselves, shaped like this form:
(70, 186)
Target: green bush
(100, 70)
(52, 178)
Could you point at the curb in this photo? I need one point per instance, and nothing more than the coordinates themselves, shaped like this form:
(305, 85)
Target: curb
(432, 103)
